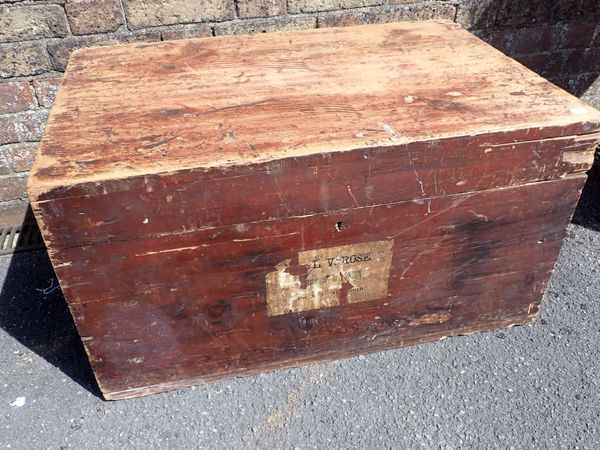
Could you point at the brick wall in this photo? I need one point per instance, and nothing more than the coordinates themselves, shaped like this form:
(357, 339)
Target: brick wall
(558, 39)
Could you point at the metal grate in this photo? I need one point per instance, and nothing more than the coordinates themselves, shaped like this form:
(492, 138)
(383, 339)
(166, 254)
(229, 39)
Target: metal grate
(20, 238)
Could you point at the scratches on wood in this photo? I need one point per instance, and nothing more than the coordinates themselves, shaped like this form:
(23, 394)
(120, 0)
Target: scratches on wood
(412, 165)
(169, 250)
(305, 100)
(343, 181)
(394, 135)
(458, 201)
(353, 197)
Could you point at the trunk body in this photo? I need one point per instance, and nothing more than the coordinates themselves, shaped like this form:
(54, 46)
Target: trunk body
(319, 195)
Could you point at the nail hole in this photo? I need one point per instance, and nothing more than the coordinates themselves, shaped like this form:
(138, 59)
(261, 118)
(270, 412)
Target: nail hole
(339, 226)
(308, 322)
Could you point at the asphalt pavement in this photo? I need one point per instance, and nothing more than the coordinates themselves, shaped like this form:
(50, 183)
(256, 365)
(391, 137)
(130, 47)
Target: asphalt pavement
(534, 386)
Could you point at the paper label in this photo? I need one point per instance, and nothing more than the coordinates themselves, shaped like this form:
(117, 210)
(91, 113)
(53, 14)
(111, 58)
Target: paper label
(328, 277)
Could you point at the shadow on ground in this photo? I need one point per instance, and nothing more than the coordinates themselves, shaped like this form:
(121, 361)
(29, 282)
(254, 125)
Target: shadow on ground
(34, 312)
(587, 213)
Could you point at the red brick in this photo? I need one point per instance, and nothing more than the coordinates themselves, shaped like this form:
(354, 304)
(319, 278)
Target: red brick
(481, 14)
(517, 13)
(61, 50)
(16, 96)
(23, 59)
(8, 131)
(153, 13)
(260, 8)
(186, 31)
(513, 13)
(4, 158)
(28, 125)
(588, 9)
(499, 39)
(591, 60)
(583, 60)
(13, 212)
(94, 16)
(477, 14)
(410, 12)
(20, 156)
(443, 11)
(27, 22)
(46, 90)
(546, 64)
(597, 33)
(265, 25)
(13, 187)
(308, 6)
(577, 34)
(533, 62)
(531, 40)
(341, 20)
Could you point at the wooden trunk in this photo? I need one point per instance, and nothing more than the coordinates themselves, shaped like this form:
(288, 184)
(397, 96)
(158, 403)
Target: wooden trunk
(224, 206)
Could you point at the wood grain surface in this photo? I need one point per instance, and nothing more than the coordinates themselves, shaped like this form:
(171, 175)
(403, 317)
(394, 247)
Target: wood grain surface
(193, 306)
(185, 200)
(220, 207)
(150, 108)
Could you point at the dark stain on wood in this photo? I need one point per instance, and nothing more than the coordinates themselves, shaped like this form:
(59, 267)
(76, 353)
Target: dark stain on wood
(470, 259)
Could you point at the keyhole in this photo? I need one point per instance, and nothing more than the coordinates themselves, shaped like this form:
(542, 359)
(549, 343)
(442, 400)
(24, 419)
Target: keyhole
(339, 226)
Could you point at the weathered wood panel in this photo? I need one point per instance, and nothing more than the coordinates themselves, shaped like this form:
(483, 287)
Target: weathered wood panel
(191, 199)
(188, 308)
